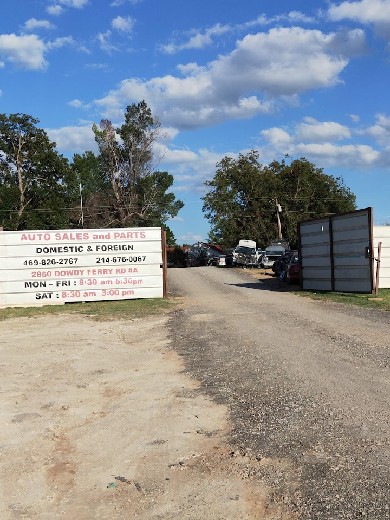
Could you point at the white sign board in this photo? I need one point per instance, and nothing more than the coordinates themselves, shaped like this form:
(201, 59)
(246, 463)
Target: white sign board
(54, 267)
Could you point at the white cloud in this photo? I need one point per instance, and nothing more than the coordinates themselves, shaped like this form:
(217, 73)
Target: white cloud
(317, 141)
(296, 16)
(263, 69)
(97, 66)
(178, 157)
(104, 42)
(78, 4)
(123, 24)
(320, 131)
(54, 10)
(117, 3)
(357, 155)
(375, 12)
(190, 69)
(24, 51)
(191, 238)
(284, 61)
(168, 133)
(32, 24)
(73, 139)
(197, 39)
(61, 42)
(381, 131)
(75, 103)
(191, 168)
(349, 43)
(279, 138)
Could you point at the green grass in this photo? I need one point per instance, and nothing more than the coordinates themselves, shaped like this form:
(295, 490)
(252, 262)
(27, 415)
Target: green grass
(108, 310)
(362, 300)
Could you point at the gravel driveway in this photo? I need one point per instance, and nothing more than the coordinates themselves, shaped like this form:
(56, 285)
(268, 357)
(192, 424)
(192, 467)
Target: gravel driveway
(306, 384)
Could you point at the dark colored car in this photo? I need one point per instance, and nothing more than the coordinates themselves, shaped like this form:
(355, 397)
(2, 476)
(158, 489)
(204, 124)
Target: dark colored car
(271, 254)
(216, 257)
(204, 254)
(281, 264)
(229, 257)
(293, 274)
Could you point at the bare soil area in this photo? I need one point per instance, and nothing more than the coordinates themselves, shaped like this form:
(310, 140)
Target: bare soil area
(99, 421)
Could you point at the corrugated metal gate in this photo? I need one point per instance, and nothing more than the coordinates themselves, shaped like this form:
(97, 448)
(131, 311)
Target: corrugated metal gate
(336, 252)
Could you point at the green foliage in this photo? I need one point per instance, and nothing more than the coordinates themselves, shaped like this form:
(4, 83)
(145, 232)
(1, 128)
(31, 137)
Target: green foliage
(139, 195)
(170, 237)
(153, 193)
(241, 198)
(33, 176)
(358, 299)
(87, 184)
(117, 188)
(99, 311)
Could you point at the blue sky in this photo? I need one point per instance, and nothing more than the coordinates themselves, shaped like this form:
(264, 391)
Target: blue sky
(308, 79)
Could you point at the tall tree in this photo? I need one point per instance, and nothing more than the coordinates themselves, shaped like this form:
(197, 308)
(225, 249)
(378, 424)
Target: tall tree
(90, 193)
(306, 192)
(32, 176)
(139, 194)
(241, 198)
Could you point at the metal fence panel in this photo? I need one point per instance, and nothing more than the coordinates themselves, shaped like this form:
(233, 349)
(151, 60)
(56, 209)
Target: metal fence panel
(336, 252)
(382, 234)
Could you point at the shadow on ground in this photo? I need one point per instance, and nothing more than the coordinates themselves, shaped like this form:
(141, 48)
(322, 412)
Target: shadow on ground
(266, 281)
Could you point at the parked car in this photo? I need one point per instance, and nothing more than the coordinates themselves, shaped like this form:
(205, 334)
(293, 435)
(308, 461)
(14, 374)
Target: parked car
(238, 249)
(203, 253)
(196, 256)
(271, 254)
(246, 256)
(259, 254)
(293, 271)
(216, 257)
(230, 256)
(281, 264)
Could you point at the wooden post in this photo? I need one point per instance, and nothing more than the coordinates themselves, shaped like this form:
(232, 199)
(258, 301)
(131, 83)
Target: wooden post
(165, 262)
(278, 219)
(378, 268)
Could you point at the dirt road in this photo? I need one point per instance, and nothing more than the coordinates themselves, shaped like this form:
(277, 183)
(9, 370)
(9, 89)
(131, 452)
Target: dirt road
(244, 403)
(306, 385)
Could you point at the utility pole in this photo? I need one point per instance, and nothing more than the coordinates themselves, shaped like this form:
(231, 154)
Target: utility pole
(81, 206)
(278, 211)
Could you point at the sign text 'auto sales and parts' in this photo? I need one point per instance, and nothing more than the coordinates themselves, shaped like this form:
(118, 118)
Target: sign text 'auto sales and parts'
(43, 267)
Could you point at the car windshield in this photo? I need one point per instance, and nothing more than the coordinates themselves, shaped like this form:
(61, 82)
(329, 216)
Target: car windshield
(273, 252)
(246, 250)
